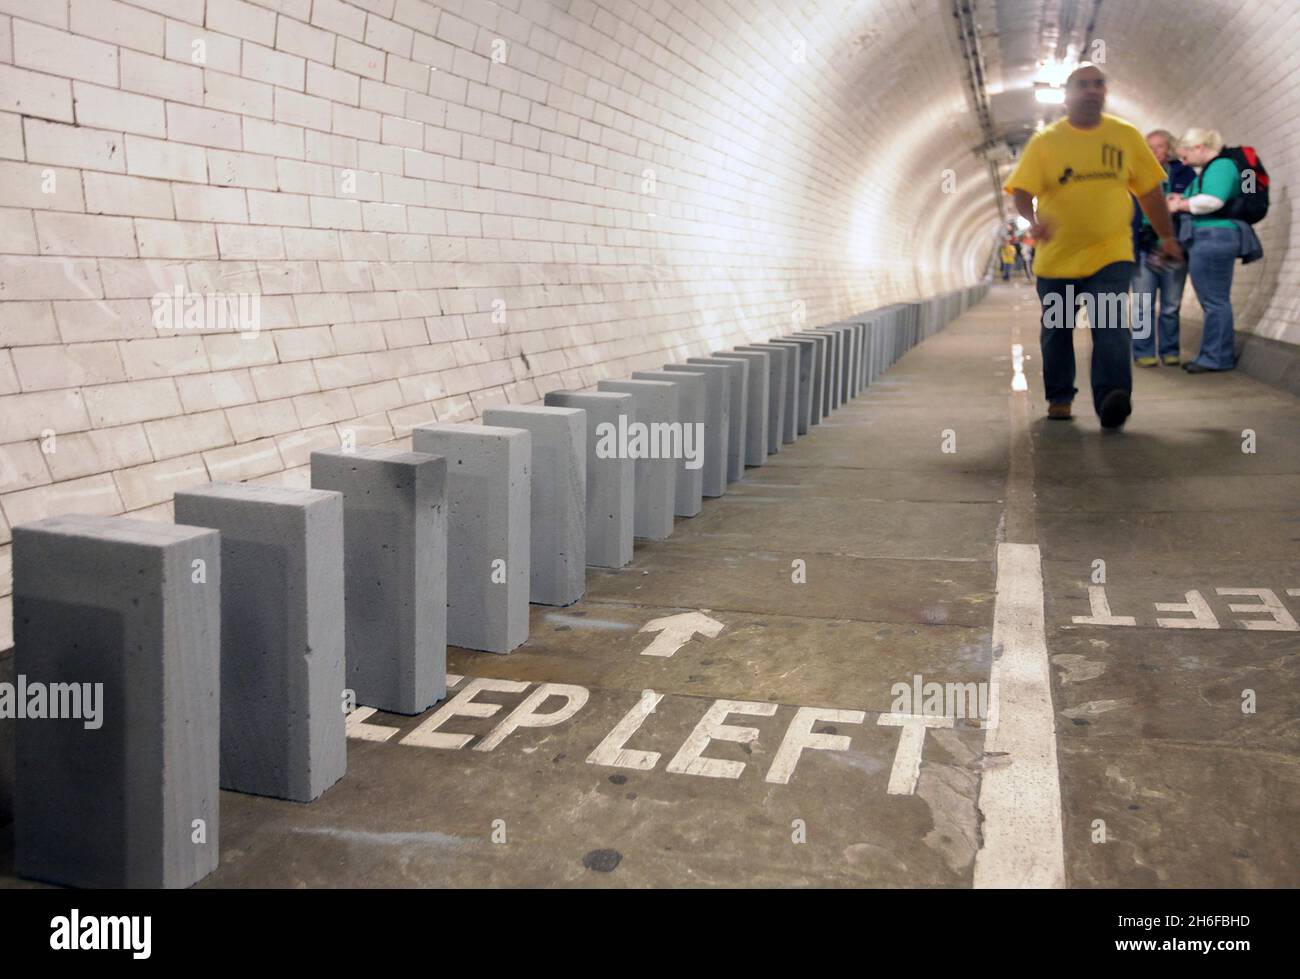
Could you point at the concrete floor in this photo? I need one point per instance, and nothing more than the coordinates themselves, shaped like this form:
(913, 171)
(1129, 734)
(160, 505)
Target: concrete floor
(899, 539)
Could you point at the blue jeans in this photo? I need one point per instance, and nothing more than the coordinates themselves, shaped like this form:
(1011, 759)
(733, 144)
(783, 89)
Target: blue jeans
(1211, 260)
(1147, 282)
(1105, 293)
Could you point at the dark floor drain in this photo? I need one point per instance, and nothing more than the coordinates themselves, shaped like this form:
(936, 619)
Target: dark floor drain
(602, 861)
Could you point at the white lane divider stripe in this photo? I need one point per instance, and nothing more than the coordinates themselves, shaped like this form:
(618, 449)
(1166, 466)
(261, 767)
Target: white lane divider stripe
(1020, 790)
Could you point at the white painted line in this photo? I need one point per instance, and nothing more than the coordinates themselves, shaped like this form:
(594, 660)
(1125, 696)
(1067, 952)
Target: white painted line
(911, 743)
(799, 735)
(1101, 614)
(1202, 614)
(1020, 791)
(1282, 620)
(357, 728)
(1018, 381)
(612, 752)
(690, 759)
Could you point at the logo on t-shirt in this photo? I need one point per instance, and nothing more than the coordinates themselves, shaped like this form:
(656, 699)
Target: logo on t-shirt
(1068, 175)
(1112, 156)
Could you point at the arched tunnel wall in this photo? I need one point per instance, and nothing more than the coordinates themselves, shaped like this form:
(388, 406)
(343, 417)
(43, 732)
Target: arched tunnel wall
(443, 207)
(1231, 67)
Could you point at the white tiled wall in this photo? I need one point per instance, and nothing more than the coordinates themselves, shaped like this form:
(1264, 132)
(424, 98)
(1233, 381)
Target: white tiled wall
(441, 206)
(1233, 67)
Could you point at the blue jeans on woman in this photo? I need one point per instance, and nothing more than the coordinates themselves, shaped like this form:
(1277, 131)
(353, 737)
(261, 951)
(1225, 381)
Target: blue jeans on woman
(1211, 261)
(1168, 283)
(1105, 294)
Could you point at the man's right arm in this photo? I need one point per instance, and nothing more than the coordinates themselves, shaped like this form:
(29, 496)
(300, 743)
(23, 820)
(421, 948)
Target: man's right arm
(1024, 204)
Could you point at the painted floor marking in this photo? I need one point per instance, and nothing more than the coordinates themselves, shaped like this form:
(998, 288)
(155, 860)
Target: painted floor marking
(1020, 791)
(675, 631)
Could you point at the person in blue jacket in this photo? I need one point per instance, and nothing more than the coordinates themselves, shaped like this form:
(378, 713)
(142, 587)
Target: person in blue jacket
(1153, 279)
(1216, 244)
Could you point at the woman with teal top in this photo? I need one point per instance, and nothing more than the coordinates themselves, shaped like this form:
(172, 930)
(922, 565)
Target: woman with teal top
(1215, 245)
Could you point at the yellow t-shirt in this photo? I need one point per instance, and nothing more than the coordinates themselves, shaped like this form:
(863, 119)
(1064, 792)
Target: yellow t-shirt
(1008, 254)
(1082, 179)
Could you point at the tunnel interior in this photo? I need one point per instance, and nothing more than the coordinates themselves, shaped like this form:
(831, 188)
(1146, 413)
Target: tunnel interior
(237, 236)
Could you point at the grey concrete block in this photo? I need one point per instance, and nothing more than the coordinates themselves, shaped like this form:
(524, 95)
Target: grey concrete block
(776, 360)
(1272, 361)
(821, 372)
(850, 369)
(805, 359)
(860, 368)
(757, 414)
(835, 364)
(558, 557)
(611, 478)
(394, 573)
(864, 335)
(889, 335)
(489, 532)
(844, 342)
(737, 411)
(837, 331)
(871, 334)
(282, 635)
(717, 421)
(878, 345)
(869, 329)
(688, 445)
(855, 360)
(127, 612)
(656, 478)
(789, 353)
(850, 334)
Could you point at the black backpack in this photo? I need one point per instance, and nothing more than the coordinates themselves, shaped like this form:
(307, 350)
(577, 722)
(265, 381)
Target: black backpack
(1251, 206)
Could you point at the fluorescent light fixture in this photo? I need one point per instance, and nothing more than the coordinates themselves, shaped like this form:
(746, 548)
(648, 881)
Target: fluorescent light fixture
(1053, 72)
(1050, 96)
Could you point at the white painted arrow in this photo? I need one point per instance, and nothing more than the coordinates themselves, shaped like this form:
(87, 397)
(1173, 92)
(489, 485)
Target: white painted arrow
(675, 631)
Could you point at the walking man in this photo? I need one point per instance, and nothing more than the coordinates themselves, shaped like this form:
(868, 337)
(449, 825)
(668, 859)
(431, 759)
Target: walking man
(1080, 172)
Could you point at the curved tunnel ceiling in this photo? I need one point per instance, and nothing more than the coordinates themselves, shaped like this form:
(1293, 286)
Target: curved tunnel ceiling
(1173, 64)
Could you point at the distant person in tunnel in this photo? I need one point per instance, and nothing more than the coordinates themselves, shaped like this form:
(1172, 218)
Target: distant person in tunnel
(1008, 259)
(1156, 280)
(1216, 243)
(1081, 171)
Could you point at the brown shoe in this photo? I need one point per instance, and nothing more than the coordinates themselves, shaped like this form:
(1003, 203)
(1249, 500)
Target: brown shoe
(1059, 412)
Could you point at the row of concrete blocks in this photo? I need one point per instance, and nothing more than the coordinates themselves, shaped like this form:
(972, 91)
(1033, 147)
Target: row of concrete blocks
(231, 644)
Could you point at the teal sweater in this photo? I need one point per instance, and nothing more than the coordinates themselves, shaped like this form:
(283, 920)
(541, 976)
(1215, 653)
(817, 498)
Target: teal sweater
(1219, 178)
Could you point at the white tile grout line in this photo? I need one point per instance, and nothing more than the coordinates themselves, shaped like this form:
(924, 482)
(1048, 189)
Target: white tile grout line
(1020, 791)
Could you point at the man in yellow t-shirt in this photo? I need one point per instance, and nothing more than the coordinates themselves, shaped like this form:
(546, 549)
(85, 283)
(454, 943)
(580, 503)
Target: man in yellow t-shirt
(1080, 172)
(1008, 259)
